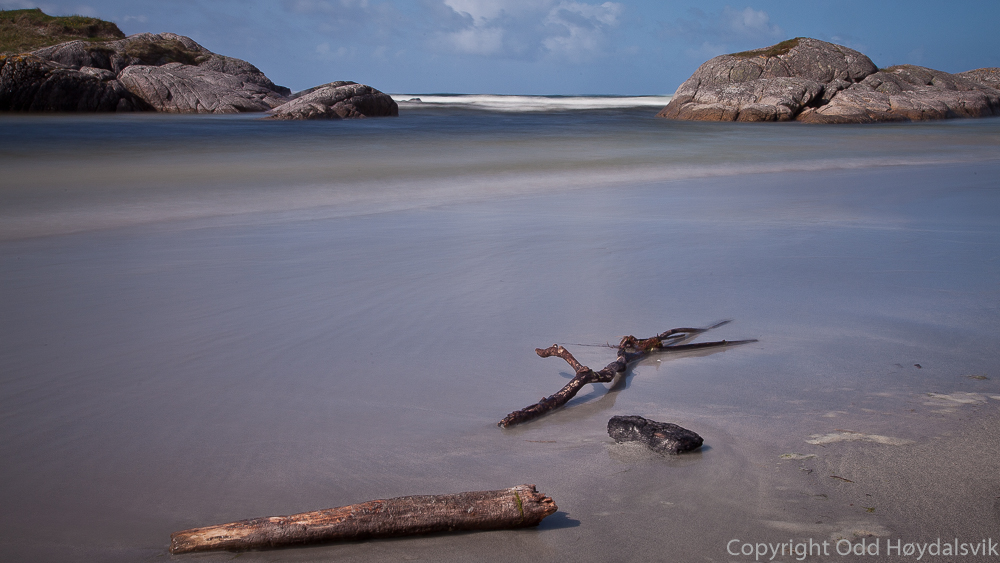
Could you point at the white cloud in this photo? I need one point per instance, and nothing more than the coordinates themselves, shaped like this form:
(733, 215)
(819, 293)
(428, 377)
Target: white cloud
(325, 52)
(485, 25)
(581, 28)
(851, 42)
(83, 10)
(477, 40)
(706, 50)
(483, 10)
(309, 6)
(750, 23)
(724, 31)
(566, 30)
(50, 8)
(350, 13)
(563, 28)
(727, 25)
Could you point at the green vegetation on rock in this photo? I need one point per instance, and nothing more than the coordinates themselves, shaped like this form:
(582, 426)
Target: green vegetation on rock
(27, 30)
(163, 52)
(772, 51)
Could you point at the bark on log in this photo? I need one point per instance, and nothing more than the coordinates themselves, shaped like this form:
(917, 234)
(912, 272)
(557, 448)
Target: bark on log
(630, 349)
(517, 507)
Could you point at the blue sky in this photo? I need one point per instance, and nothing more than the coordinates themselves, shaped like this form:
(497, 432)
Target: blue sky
(626, 47)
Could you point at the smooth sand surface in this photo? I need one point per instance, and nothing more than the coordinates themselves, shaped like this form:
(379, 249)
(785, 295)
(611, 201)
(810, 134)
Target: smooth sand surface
(195, 372)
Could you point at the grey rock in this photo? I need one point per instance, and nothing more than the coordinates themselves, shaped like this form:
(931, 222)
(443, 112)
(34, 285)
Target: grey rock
(151, 72)
(661, 437)
(180, 88)
(139, 49)
(30, 83)
(907, 93)
(760, 99)
(99, 73)
(337, 100)
(818, 82)
(985, 76)
(171, 73)
(244, 70)
(770, 84)
(151, 49)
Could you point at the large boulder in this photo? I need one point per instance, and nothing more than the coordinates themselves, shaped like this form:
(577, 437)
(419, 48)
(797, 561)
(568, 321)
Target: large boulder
(818, 82)
(151, 49)
(770, 84)
(30, 83)
(150, 72)
(337, 100)
(181, 88)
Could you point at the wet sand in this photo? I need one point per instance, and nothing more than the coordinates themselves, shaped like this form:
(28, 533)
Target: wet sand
(189, 372)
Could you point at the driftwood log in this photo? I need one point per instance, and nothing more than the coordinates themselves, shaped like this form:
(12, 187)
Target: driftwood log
(517, 507)
(630, 349)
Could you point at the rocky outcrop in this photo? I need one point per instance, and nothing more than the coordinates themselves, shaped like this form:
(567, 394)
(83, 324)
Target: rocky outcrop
(907, 93)
(986, 76)
(22, 31)
(150, 49)
(180, 88)
(818, 82)
(167, 73)
(337, 100)
(144, 72)
(170, 73)
(29, 83)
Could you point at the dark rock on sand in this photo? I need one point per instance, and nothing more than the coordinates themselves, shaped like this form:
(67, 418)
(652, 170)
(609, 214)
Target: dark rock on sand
(818, 82)
(661, 437)
(30, 83)
(337, 100)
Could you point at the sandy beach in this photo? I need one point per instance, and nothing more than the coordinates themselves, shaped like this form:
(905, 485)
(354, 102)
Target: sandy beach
(167, 367)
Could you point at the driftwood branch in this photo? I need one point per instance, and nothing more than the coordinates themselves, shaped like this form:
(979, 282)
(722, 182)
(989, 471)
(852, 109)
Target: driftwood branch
(630, 349)
(517, 507)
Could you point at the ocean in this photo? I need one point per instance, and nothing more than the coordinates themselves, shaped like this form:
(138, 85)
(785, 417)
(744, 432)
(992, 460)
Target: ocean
(213, 318)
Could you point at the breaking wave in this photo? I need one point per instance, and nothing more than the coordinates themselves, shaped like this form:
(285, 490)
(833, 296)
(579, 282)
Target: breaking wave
(501, 103)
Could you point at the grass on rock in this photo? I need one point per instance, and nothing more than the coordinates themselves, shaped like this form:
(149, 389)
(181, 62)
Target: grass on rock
(27, 30)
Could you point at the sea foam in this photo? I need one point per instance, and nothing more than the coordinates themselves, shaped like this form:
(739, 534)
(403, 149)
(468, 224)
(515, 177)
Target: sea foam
(494, 102)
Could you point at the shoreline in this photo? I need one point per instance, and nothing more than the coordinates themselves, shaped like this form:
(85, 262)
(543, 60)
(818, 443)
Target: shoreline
(55, 189)
(165, 376)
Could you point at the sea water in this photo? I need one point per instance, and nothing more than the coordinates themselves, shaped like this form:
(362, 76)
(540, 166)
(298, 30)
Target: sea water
(211, 318)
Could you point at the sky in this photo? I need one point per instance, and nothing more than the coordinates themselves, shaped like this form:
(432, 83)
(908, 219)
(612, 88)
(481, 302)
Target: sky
(543, 47)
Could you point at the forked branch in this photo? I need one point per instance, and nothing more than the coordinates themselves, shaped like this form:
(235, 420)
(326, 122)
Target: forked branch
(630, 350)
